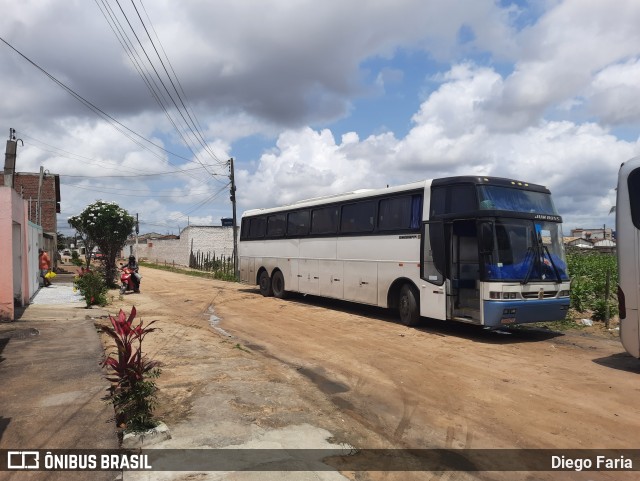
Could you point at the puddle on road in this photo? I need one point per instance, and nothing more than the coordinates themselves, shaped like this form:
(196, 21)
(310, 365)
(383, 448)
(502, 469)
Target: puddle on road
(214, 322)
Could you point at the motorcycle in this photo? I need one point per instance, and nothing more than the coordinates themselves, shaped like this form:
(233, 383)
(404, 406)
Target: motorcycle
(127, 282)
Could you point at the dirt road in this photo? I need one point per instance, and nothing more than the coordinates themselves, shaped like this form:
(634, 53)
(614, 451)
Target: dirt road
(375, 383)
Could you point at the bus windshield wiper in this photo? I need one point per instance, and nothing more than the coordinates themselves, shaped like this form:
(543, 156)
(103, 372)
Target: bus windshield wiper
(553, 264)
(533, 250)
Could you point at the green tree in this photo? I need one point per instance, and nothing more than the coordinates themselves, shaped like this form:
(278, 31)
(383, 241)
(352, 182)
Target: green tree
(62, 241)
(107, 225)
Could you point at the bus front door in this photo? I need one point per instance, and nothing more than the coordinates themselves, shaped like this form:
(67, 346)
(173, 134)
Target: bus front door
(433, 288)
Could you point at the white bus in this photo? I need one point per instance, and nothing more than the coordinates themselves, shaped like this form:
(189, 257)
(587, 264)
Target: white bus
(481, 250)
(628, 247)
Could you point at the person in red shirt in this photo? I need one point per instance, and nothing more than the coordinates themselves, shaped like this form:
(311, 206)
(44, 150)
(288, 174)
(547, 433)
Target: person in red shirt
(45, 264)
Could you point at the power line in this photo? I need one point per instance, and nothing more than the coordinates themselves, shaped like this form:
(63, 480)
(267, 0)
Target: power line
(145, 74)
(200, 137)
(121, 192)
(101, 113)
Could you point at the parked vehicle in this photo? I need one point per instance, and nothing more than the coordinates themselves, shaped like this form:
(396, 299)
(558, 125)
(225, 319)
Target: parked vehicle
(482, 250)
(628, 246)
(128, 280)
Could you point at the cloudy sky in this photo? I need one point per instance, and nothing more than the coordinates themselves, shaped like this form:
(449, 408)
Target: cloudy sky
(314, 98)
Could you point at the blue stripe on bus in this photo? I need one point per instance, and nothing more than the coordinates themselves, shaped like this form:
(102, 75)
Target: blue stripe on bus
(535, 310)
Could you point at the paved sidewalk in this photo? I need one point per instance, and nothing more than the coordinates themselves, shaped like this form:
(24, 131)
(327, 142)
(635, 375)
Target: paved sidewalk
(51, 382)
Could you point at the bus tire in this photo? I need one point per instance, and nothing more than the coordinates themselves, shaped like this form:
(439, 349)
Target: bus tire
(265, 284)
(277, 285)
(408, 305)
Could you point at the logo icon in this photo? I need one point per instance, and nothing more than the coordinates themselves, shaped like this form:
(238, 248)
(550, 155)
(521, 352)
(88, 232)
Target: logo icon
(23, 460)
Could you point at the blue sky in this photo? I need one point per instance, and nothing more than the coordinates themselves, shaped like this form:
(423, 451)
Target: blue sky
(318, 98)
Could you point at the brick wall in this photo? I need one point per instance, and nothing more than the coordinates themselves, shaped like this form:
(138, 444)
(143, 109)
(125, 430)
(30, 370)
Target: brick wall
(26, 184)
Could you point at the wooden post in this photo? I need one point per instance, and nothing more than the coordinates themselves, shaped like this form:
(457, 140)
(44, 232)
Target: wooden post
(607, 287)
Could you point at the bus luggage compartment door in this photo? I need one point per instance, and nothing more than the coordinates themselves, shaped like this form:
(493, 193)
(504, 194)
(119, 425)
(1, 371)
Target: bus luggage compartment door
(361, 281)
(308, 276)
(331, 279)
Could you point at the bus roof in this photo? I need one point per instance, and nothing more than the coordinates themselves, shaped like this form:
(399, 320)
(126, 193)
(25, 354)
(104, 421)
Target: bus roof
(420, 185)
(329, 199)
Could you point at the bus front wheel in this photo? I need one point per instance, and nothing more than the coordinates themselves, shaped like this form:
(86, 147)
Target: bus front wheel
(277, 284)
(409, 306)
(265, 284)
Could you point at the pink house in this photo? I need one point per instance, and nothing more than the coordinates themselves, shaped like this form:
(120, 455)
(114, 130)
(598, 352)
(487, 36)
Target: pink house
(16, 253)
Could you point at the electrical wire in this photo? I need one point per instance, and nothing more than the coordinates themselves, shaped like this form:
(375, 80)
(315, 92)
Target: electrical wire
(119, 126)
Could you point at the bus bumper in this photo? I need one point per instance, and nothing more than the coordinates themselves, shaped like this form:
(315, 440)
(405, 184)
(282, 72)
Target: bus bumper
(504, 313)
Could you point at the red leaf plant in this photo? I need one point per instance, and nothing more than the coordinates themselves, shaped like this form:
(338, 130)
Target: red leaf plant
(132, 390)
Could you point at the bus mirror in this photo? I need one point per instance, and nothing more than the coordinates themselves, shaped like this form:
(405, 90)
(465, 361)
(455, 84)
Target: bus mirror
(486, 238)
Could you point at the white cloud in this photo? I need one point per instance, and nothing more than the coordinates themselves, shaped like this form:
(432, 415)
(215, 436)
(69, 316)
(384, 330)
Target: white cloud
(578, 162)
(611, 91)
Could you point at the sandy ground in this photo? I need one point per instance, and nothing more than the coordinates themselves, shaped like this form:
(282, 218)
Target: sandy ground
(237, 365)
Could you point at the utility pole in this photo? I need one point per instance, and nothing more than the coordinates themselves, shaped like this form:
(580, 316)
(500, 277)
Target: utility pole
(232, 196)
(137, 232)
(39, 209)
(10, 158)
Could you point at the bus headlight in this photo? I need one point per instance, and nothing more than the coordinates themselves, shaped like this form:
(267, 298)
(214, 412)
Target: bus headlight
(564, 293)
(502, 295)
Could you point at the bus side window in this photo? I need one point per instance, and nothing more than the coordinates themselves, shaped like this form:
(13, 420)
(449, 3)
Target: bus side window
(438, 201)
(324, 220)
(433, 256)
(633, 182)
(244, 229)
(276, 225)
(298, 223)
(358, 217)
(257, 227)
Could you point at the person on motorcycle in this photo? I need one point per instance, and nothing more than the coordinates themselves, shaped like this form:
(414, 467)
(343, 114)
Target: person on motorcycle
(133, 265)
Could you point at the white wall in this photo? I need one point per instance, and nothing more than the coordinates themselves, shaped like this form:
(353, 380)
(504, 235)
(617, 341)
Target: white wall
(205, 239)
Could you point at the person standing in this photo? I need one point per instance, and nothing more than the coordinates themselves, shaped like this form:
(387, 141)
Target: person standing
(45, 265)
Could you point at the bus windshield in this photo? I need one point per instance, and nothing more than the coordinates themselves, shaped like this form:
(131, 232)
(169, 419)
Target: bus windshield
(495, 197)
(525, 250)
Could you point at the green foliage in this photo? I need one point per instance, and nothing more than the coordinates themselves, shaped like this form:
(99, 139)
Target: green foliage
(588, 272)
(75, 259)
(220, 275)
(92, 287)
(106, 225)
(133, 390)
(62, 241)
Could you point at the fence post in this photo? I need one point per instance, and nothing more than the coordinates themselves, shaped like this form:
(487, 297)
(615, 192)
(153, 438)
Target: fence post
(607, 287)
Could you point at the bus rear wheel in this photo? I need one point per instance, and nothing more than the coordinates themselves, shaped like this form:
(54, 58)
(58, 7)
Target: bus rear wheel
(277, 284)
(408, 305)
(265, 284)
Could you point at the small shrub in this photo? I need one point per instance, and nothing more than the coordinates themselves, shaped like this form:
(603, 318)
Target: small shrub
(92, 287)
(600, 309)
(75, 259)
(133, 389)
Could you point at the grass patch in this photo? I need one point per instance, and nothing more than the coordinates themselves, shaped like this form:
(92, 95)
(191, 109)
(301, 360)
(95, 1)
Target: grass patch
(222, 276)
(564, 325)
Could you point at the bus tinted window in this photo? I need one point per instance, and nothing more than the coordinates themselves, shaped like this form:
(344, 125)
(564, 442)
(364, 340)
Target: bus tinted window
(493, 197)
(276, 225)
(438, 201)
(463, 199)
(298, 223)
(257, 227)
(244, 230)
(358, 217)
(400, 213)
(324, 221)
(633, 181)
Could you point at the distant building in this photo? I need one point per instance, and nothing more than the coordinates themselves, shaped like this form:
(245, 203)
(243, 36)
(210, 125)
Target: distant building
(601, 233)
(578, 242)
